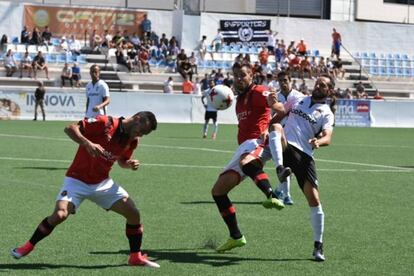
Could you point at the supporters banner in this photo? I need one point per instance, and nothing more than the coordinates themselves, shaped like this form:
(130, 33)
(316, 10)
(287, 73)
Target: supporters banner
(355, 113)
(64, 21)
(59, 105)
(245, 32)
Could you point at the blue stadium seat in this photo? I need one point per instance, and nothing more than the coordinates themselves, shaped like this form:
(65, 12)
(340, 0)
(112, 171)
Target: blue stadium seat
(397, 56)
(17, 56)
(372, 55)
(405, 57)
(225, 49)
(407, 72)
(210, 49)
(51, 58)
(55, 41)
(399, 72)
(235, 49)
(81, 59)
(391, 71)
(374, 71)
(382, 71)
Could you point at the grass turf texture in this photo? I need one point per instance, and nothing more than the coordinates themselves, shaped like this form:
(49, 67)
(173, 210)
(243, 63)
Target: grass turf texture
(367, 199)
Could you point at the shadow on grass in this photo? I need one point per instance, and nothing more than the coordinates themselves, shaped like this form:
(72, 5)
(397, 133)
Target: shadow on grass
(198, 256)
(212, 202)
(39, 266)
(42, 168)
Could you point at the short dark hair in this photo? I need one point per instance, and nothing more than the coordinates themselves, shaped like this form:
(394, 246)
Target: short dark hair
(238, 66)
(148, 117)
(282, 74)
(331, 84)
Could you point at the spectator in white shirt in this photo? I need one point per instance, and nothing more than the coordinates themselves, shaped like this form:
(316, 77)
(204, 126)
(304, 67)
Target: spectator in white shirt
(168, 86)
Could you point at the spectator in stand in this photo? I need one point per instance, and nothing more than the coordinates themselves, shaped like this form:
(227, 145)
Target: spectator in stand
(133, 60)
(378, 96)
(193, 61)
(301, 48)
(217, 43)
(36, 38)
(64, 44)
(10, 63)
(348, 94)
(303, 88)
(74, 46)
(197, 87)
(279, 53)
(174, 41)
(258, 74)
(3, 43)
(291, 48)
(202, 47)
(322, 68)
(120, 58)
(271, 41)
(25, 36)
(239, 58)
(188, 86)
(95, 41)
(144, 60)
(106, 39)
(264, 56)
(273, 83)
(127, 40)
(39, 63)
(305, 67)
(294, 64)
(246, 59)
(336, 43)
(26, 63)
(186, 70)
(46, 37)
(314, 67)
(338, 67)
(146, 25)
(66, 75)
(218, 77)
(181, 58)
(76, 74)
(163, 39)
(330, 68)
(116, 39)
(168, 86)
(294, 85)
(136, 42)
(360, 91)
(204, 83)
(228, 81)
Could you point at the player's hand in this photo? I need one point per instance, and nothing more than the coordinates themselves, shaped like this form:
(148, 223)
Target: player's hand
(94, 150)
(133, 164)
(271, 98)
(314, 142)
(96, 108)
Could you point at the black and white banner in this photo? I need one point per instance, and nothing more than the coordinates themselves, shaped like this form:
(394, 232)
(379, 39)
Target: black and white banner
(245, 32)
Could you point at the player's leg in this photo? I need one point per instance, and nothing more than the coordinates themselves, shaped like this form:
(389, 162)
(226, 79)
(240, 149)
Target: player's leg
(134, 230)
(276, 135)
(224, 184)
(205, 127)
(215, 124)
(62, 210)
(252, 166)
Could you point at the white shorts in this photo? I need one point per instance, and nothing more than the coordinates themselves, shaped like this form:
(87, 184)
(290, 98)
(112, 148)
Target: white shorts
(104, 194)
(249, 146)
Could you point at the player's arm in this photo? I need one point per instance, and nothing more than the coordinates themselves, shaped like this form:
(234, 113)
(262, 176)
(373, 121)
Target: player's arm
(324, 139)
(74, 131)
(132, 164)
(277, 107)
(104, 103)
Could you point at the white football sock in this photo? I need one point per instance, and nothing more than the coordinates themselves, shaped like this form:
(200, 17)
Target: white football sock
(205, 128)
(275, 144)
(286, 186)
(318, 221)
(215, 128)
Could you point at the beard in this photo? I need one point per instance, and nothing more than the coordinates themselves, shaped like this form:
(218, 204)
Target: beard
(317, 95)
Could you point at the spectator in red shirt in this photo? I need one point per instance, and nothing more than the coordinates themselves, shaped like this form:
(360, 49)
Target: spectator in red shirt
(143, 59)
(102, 141)
(187, 86)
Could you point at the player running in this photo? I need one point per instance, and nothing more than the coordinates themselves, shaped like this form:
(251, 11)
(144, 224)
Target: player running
(253, 113)
(102, 141)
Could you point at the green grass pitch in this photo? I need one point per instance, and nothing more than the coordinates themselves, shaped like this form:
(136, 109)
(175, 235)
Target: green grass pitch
(367, 191)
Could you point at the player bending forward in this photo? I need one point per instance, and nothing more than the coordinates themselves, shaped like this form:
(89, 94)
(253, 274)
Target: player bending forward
(102, 141)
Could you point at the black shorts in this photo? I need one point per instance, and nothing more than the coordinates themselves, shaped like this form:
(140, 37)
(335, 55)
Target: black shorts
(302, 165)
(210, 115)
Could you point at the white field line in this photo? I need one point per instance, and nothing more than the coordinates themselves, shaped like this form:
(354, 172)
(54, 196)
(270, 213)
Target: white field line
(184, 166)
(206, 150)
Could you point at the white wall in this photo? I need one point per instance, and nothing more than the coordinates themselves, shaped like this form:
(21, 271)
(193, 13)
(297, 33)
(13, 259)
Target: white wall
(343, 10)
(379, 11)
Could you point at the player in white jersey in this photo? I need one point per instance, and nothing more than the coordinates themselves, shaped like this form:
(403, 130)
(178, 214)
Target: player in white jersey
(309, 126)
(211, 113)
(97, 94)
(286, 91)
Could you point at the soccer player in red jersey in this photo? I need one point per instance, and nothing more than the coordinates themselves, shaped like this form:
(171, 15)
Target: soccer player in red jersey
(102, 141)
(253, 113)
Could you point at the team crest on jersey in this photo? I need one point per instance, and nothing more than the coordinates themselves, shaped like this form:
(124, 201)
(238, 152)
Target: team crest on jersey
(91, 120)
(266, 93)
(64, 193)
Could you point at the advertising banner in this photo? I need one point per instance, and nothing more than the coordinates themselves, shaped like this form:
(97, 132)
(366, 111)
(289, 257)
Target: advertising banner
(355, 113)
(59, 105)
(64, 21)
(245, 32)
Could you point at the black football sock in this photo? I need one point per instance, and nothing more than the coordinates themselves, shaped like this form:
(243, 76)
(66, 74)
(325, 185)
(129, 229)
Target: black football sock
(134, 234)
(228, 212)
(41, 232)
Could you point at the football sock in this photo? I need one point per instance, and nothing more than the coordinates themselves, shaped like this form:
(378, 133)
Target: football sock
(228, 213)
(205, 128)
(285, 186)
(275, 144)
(41, 232)
(134, 234)
(259, 177)
(215, 128)
(318, 220)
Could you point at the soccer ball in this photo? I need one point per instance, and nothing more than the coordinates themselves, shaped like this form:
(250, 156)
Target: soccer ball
(221, 97)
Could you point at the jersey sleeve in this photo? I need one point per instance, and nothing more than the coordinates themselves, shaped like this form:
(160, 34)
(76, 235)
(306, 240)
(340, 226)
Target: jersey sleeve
(328, 121)
(105, 89)
(128, 153)
(94, 126)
